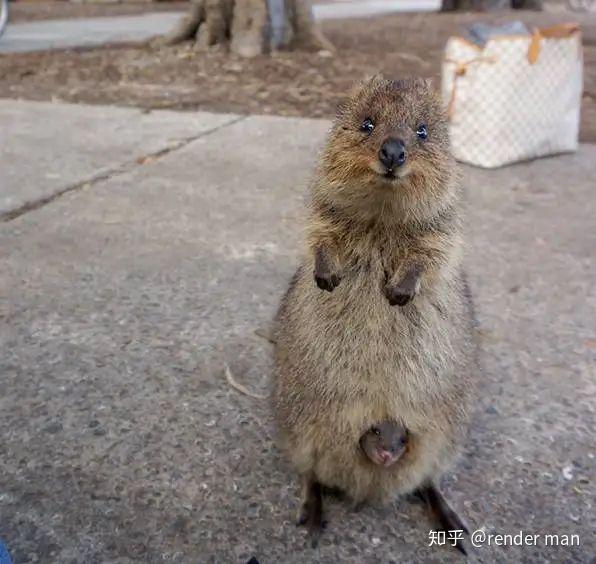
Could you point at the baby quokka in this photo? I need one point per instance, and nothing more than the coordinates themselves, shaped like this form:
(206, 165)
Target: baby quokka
(373, 347)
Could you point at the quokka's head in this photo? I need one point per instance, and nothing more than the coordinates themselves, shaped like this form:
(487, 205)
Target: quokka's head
(390, 141)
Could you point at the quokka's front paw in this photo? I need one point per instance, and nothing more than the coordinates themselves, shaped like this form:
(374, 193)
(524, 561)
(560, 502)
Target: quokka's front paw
(406, 289)
(327, 281)
(327, 270)
(401, 294)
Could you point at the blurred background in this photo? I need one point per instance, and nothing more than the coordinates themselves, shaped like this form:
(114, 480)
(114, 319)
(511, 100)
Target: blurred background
(399, 37)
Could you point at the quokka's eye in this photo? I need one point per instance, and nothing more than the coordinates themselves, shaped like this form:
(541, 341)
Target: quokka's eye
(422, 132)
(376, 431)
(367, 126)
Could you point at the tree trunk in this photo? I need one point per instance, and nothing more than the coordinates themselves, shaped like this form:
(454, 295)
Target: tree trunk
(451, 5)
(250, 27)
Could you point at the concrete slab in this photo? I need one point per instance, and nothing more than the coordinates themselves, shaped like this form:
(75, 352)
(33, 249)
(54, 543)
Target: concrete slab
(48, 147)
(365, 8)
(85, 32)
(121, 440)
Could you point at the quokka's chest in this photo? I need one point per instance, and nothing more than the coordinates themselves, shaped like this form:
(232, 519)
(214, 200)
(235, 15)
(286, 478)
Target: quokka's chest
(375, 263)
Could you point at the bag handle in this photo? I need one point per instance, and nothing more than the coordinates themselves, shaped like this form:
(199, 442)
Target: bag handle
(559, 31)
(534, 49)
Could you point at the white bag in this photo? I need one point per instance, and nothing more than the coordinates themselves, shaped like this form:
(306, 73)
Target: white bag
(516, 98)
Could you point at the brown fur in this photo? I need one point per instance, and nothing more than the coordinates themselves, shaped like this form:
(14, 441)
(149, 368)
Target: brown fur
(346, 358)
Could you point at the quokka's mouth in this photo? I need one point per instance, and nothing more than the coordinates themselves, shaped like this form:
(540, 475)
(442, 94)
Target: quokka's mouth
(384, 458)
(390, 175)
(393, 175)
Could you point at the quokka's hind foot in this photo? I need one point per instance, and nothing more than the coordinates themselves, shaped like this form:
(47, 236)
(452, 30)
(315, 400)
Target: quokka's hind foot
(447, 517)
(311, 510)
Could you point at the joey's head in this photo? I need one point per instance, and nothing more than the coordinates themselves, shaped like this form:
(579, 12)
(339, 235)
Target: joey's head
(384, 443)
(389, 143)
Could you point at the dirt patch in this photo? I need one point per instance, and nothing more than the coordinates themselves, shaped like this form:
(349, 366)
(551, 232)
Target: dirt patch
(292, 84)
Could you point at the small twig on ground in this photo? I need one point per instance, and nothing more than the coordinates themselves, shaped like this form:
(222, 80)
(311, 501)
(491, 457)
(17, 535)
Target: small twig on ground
(239, 387)
(266, 333)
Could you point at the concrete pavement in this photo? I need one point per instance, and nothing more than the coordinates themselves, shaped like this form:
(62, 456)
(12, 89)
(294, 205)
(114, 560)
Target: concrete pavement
(87, 32)
(107, 139)
(363, 8)
(124, 299)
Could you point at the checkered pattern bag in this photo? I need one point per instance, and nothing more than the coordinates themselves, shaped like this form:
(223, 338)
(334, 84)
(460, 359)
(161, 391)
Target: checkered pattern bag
(516, 98)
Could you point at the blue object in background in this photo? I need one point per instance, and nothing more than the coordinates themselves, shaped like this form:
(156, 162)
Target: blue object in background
(4, 556)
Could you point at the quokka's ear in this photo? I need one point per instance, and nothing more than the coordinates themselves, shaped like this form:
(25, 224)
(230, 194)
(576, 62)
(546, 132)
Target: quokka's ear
(366, 84)
(356, 90)
(376, 79)
(414, 82)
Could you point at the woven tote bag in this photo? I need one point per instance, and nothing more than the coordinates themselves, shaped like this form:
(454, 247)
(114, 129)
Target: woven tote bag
(518, 97)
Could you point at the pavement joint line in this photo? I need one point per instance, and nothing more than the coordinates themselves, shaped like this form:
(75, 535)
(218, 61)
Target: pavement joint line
(116, 171)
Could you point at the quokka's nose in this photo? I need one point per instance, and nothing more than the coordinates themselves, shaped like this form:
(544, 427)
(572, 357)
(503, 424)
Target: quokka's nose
(392, 153)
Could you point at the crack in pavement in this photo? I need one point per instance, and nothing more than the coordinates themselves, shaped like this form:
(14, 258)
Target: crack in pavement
(115, 171)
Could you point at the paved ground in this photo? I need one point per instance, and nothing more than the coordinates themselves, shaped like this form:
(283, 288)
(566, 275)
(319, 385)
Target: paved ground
(85, 32)
(105, 137)
(124, 299)
(360, 8)
(52, 34)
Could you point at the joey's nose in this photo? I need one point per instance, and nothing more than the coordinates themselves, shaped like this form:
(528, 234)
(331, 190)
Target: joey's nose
(392, 153)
